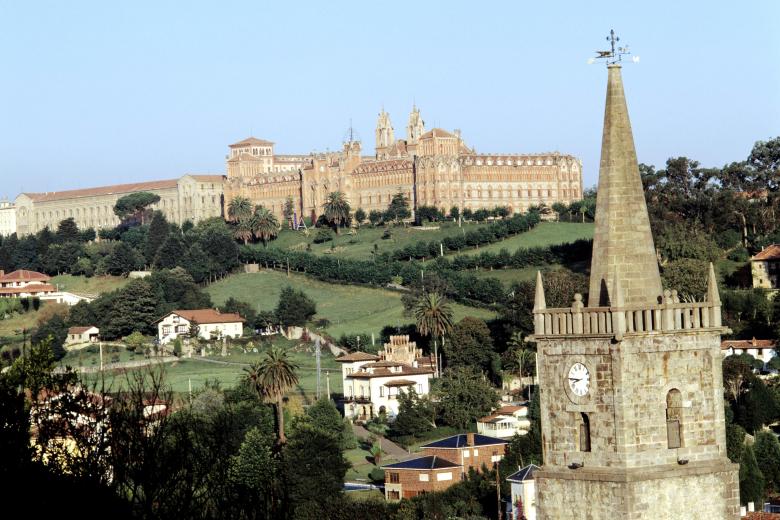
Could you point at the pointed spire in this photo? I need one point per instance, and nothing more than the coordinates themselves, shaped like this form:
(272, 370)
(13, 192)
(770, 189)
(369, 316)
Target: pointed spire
(539, 301)
(622, 241)
(713, 296)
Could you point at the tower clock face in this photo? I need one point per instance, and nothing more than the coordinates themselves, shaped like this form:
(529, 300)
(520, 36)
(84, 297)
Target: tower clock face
(579, 379)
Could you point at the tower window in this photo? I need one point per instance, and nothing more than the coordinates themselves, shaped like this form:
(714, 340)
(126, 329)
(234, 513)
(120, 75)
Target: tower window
(585, 432)
(674, 419)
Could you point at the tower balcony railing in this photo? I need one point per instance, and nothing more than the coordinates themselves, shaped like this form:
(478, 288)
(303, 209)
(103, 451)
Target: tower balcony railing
(618, 320)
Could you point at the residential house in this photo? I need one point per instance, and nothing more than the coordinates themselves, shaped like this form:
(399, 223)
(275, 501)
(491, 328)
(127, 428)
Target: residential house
(765, 267)
(23, 284)
(442, 463)
(762, 349)
(78, 335)
(505, 422)
(211, 324)
(523, 503)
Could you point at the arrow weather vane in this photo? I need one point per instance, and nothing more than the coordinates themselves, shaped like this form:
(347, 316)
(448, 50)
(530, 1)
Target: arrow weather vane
(615, 54)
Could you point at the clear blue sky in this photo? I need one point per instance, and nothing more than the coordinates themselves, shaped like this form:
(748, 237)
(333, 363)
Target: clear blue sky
(106, 92)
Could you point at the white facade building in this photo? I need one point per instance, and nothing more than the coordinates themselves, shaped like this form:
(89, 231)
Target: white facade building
(372, 386)
(211, 323)
(761, 349)
(523, 493)
(78, 335)
(7, 218)
(505, 422)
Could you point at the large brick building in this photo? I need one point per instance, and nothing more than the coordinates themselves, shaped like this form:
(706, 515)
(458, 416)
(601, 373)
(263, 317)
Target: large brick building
(434, 168)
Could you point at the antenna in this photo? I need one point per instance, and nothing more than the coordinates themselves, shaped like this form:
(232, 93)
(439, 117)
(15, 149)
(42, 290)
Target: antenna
(615, 54)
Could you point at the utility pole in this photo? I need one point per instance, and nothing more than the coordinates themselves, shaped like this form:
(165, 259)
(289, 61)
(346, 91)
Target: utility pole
(101, 356)
(327, 383)
(317, 354)
(498, 492)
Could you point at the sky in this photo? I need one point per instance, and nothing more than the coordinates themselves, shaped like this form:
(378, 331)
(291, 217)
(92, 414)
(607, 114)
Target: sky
(95, 93)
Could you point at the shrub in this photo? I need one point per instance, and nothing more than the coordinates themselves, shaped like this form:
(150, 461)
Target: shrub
(323, 235)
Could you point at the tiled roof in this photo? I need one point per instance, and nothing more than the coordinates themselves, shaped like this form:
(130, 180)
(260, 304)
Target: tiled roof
(80, 330)
(357, 356)
(207, 177)
(386, 372)
(103, 190)
(251, 141)
(207, 316)
(760, 515)
(430, 462)
(461, 441)
(23, 275)
(436, 132)
(526, 473)
(770, 252)
(390, 165)
(747, 343)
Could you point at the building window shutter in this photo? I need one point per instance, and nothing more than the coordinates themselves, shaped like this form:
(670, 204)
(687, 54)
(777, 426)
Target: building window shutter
(585, 433)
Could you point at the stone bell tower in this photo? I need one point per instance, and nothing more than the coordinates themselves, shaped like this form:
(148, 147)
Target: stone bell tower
(631, 385)
(385, 137)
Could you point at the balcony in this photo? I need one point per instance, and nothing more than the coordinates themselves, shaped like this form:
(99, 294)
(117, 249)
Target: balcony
(360, 399)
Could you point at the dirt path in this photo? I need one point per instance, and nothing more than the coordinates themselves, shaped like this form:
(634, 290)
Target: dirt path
(389, 447)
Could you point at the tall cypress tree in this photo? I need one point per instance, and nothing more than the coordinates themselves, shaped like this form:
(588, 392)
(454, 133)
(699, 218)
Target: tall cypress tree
(751, 480)
(171, 253)
(767, 450)
(158, 234)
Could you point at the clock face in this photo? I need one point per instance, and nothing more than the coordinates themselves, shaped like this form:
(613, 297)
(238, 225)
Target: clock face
(579, 379)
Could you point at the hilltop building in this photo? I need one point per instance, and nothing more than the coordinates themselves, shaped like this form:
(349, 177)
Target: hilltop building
(210, 323)
(765, 267)
(7, 218)
(431, 168)
(191, 197)
(631, 385)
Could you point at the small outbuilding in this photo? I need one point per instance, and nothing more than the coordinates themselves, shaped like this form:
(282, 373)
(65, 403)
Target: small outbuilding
(78, 335)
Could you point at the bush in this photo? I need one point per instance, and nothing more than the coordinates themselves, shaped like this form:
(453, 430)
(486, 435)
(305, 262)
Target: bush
(377, 475)
(323, 235)
(387, 234)
(739, 254)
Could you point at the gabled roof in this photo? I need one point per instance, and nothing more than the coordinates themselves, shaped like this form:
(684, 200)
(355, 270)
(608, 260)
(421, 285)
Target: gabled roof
(23, 275)
(747, 343)
(206, 177)
(80, 330)
(770, 252)
(250, 141)
(461, 441)
(206, 316)
(102, 190)
(436, 132)
(423, 463)
(526, 473)
(357, 356)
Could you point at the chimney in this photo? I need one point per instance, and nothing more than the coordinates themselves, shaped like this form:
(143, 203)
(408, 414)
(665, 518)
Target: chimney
(470, 439)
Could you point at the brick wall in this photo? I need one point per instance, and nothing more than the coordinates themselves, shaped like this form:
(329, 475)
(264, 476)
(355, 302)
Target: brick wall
(409, 483)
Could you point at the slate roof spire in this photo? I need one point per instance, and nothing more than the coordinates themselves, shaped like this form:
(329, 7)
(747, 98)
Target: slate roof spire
(622, 242)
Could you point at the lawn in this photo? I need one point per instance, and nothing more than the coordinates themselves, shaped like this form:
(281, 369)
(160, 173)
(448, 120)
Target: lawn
(349, 308)
(544, 234)
(12, 326)
(361, 244)
(92, 286)
(362, 465)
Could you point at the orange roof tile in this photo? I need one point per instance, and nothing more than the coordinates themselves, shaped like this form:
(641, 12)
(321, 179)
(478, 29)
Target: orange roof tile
(357, 356)
(103, 190)
(251, 141)
(747, 343)
(23, 275)
(436, 132)
(80, 330)
(207, 316)
(34, 288)
(207, 177)
(770, 252)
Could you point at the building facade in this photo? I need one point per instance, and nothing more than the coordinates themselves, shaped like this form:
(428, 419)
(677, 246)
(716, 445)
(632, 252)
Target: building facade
(431, 168)
(211, 324)
(191, 197)
(506, 422)
(631, 385)
(523, 505)
(7, 218)
(765, 267)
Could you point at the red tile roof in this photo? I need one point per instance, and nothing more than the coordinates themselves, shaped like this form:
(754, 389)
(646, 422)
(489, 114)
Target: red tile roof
(207, 177)
(770, 252)
(23, 275)
(357, 356)
(80, 330)
(103, 190)
(436, 132)
(207, 316)
(747, 343)
(33, 288)
(759, 515)
(251, 141)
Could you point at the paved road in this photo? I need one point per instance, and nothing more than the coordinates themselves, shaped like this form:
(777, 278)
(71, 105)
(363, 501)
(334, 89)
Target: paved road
(389, 447)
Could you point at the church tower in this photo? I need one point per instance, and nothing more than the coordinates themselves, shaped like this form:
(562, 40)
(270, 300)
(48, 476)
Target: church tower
(631, 387)
(384, 135)
(414, 129)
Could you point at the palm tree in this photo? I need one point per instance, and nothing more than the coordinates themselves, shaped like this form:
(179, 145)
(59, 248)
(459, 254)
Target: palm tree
(271, 378)
(336, 209)
(434, 318)
(264, 224)
(240, 208)
(243, 230)
(523, 356)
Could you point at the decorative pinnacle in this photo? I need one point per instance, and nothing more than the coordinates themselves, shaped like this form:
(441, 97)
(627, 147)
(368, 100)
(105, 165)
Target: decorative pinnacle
(615, 54)
(539, 300)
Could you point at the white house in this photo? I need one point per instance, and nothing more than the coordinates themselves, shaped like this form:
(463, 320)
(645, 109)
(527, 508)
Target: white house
(23, 283)
(211, 323)
(523, 493)
(763, 349)
(505, 422)
(78, 335)
(372, 386)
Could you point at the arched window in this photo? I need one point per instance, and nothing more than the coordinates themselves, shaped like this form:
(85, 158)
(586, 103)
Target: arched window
(584, 432)
(674, 419)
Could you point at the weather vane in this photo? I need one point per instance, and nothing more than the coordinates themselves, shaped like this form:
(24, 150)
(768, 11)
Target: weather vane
(615, 54)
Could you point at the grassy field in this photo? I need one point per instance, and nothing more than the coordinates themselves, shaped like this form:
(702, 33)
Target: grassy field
(350, 309)
(227, 370)
(545, 234)
(361, 244)
(92, 285)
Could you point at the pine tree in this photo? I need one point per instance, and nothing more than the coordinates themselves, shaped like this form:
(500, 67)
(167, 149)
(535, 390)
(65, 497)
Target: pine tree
(67, 231)
(767, 451)
(751, 480)
(196, 262)
(133, 308)
(123, 259)
(171, 253)
(158, 234)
